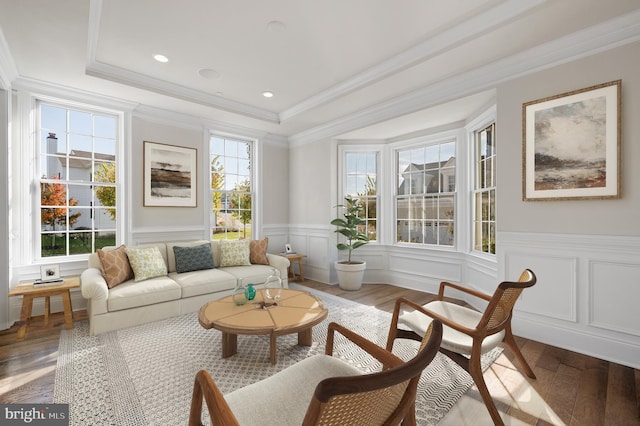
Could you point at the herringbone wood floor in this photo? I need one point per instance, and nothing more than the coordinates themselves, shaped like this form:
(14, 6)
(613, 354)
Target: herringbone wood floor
(571, 388)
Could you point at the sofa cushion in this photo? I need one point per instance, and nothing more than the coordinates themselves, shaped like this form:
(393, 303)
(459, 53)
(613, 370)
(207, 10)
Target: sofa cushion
(171, 257)
(193, 258)
(234, 252)
(254, 274)
(133, 294)
(115, 266)
(208, 281)
(258, 251)
(146, 263)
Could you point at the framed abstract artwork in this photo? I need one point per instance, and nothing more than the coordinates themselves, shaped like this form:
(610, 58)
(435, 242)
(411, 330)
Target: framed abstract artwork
(571, 145)
(169, 175)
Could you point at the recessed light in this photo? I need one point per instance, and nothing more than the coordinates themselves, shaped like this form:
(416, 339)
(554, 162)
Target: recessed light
(267, 94)
(208, 73)
(160, 58)
(276, 26)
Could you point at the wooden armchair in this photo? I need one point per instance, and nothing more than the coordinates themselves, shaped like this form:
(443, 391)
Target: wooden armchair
(323, 390)
(467, 333)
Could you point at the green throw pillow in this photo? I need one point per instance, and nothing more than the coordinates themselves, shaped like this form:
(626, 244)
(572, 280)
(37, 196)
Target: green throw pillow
(235, 252)
(193, 258)
(146, 263)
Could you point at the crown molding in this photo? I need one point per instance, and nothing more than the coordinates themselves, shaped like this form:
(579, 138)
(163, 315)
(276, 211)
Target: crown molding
(71, 94)
(228, 129)
(167, 118)
(130, 78)
(8, 69)
(446, 39)
(598, 38)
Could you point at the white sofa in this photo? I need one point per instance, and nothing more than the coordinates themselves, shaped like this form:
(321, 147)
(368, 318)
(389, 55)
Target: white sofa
(132, 303)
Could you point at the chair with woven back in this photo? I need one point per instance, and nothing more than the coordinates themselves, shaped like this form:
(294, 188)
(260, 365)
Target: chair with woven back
(468, 334)
(323, 389)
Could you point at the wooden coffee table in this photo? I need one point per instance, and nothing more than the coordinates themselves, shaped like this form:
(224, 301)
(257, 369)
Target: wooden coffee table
(296, 312)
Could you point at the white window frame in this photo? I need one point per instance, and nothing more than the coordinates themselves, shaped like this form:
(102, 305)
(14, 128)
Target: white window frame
(343, 150)
(480, 123)
(430, 140)
(68, 180)
(255, 181)
(25, 179)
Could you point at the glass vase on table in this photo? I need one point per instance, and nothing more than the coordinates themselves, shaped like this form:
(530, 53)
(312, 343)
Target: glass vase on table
(273, 286)
(239, 297)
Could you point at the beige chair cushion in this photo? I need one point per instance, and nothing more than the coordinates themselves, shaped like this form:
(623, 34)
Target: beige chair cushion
(452, 340)
(283, 398)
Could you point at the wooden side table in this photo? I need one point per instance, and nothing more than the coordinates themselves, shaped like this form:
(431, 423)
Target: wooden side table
(295, 257)
(29, 292)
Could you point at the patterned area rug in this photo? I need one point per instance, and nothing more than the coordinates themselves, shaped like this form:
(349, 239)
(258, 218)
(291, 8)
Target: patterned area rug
(144, 375)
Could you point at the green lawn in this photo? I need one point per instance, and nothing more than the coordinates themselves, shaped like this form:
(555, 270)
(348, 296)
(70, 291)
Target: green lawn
(232, 235)
(77, 244)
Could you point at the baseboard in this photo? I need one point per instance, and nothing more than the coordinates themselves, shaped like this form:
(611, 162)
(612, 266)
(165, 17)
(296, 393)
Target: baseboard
(598, 346)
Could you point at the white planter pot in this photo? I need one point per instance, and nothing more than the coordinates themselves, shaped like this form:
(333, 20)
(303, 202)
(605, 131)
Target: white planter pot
(350, 274)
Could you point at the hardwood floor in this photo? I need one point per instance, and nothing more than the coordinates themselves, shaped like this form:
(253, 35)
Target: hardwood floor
(571, 389)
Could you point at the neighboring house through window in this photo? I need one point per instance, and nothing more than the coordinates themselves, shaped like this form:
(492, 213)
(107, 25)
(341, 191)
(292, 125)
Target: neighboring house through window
(425, 194)
(77, 180)
(232, 193)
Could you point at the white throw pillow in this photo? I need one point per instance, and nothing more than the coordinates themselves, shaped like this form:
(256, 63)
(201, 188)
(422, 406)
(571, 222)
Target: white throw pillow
(235, 252)
(146, 263)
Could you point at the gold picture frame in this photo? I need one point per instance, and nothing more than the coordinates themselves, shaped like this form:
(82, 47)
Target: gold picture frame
(571, 145)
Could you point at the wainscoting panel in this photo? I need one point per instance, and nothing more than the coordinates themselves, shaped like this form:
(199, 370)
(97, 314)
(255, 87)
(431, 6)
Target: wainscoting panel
(586, 296)
(153, 235)
(278, 236)
(442, 270)
(315, 242)
(554, 294)
(612, 303)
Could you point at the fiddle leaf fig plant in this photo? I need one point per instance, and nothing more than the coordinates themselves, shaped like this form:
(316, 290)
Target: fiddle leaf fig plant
(348, 226)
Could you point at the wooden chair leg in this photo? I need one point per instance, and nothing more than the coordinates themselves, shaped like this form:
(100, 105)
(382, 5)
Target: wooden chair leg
(393, 327)
(511, 342)
(410, 418)
(475, 370)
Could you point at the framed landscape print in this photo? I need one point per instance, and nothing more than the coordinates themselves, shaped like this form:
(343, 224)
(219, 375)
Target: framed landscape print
(169, 175)
(571, 145)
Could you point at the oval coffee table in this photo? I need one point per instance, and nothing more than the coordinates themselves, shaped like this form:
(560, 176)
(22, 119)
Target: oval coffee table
(295, 312)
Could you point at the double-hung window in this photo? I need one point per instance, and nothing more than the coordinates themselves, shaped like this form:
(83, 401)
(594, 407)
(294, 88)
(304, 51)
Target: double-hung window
(484, 224)
(361, 182)
(426, 194)
(77, 180)
(232, 193)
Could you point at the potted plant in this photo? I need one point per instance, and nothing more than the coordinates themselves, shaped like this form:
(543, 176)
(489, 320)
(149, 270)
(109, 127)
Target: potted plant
(350, 272)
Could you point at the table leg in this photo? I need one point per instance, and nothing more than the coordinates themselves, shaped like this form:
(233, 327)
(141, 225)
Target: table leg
(229, 344)
(292, 272)
(47, 309)
(272, 348)
(301, 275)
(68, 310)
(25, 314)
(304, 337)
